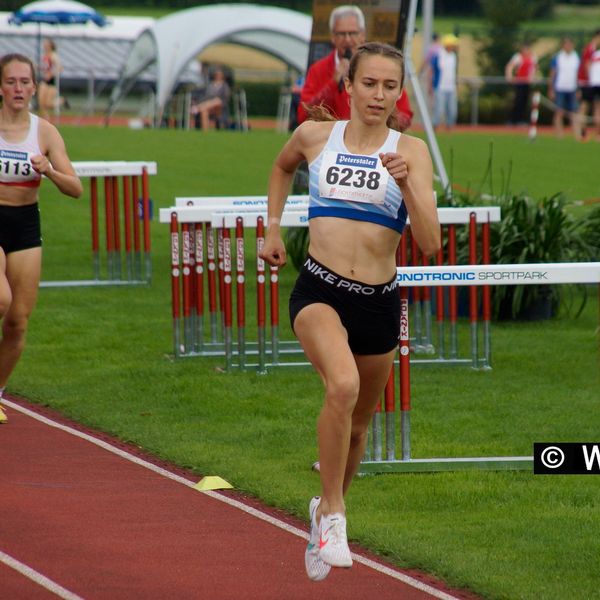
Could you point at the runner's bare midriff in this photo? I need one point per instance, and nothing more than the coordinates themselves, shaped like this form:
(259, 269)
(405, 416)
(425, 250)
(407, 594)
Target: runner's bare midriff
(336, 248)
(12, 195)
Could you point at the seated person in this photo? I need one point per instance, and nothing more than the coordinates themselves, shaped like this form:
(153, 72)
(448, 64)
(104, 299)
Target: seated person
(216, 101)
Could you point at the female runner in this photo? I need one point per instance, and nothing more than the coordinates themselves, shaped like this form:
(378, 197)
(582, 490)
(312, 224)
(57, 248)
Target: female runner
(50, 73)
(364, 180)
(29, 148)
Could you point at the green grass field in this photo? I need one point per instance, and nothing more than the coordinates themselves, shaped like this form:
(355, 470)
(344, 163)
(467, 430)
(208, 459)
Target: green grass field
(103, 356)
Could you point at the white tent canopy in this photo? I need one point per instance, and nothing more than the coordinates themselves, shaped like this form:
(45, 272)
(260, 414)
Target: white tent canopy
(173, 41)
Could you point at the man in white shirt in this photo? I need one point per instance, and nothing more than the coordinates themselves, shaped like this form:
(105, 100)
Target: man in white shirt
(562, 86)
(444, 67)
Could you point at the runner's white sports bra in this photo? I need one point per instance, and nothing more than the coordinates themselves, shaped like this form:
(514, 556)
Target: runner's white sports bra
(352, 186)
(15, 158)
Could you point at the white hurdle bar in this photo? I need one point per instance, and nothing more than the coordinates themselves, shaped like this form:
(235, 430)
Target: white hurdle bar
(470, 275)
(135, 180)
(237, 202)
(222, 213)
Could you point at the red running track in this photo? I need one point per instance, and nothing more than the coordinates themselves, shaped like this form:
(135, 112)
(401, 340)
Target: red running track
(92, 520)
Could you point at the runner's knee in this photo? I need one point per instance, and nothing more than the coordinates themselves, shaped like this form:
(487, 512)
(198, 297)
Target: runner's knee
(342, 392)
(358, 434)
(14, 327)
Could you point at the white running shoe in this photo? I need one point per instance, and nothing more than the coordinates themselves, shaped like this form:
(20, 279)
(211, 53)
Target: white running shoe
(333, 543)
(316, 569)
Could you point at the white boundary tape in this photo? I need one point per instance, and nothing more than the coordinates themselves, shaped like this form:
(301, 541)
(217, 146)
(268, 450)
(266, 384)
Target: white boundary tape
(411, 581)
(37, 577)
(526, 274)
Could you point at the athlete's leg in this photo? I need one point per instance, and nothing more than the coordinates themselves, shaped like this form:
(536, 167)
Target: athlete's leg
(5, 293)
(52, 98)
(572, 114)
(325, 342)
(582, 118)
(559, 114)
(44, 99)
(596, 116)
(208, 108)
(374, 371)
(437, 107)
(452, 109)
(23, 269)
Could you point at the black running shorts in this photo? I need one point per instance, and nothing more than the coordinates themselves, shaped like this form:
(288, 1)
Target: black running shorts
(370, 313)
(19, 227)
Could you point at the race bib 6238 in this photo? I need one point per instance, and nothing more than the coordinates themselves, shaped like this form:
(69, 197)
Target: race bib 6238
(352, 177)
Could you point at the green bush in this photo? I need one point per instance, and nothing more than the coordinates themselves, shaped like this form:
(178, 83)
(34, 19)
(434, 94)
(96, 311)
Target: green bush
(533, 231)
(590, 232)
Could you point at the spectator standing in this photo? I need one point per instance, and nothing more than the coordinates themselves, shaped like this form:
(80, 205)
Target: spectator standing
(325, 78)
(594, 74)
(520, 71)
(50, 69)
(562, 86)
(585, 89)
(444, 66)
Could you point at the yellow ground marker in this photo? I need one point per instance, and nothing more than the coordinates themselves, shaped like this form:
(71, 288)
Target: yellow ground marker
(212, 482)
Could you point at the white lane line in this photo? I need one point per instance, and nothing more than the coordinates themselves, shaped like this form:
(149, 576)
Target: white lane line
(411, 581)
(37, 577)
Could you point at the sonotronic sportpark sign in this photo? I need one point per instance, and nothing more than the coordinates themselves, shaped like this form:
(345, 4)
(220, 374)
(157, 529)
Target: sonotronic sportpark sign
(541, 273)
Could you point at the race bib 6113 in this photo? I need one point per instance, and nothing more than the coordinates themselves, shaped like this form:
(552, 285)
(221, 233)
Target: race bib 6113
(16, 166)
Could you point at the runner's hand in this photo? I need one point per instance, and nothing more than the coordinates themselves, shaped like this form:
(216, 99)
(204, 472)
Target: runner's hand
(396, 165)
(41, 164)
(273, 251)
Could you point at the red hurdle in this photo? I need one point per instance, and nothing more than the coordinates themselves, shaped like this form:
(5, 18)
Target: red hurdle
(120, 180)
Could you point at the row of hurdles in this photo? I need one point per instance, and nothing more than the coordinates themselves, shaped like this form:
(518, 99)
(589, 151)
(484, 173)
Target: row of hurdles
(205, 283)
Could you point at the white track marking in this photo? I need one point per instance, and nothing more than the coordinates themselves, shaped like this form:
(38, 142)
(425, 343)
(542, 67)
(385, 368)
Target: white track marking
(411, 581)
(37, 577)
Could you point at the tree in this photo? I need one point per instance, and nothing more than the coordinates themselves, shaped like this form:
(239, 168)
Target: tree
(503, 34)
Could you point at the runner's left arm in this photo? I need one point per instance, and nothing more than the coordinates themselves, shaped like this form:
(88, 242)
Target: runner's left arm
(55, 163)
(413, 172)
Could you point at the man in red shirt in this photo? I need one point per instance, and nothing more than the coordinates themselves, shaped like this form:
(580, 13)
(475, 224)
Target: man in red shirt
(585, 89)
(521, 70)
(325, 78)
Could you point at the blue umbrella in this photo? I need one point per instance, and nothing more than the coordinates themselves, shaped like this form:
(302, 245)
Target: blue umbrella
(57, 12)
